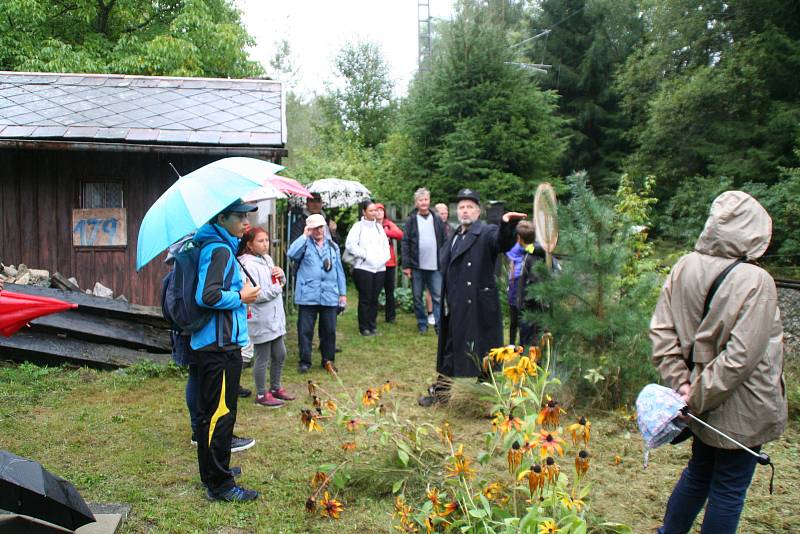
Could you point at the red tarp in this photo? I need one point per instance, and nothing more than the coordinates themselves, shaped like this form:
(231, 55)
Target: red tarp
(17, 310)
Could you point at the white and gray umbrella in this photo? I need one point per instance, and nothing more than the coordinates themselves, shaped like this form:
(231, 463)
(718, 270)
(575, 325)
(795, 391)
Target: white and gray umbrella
(338, 193)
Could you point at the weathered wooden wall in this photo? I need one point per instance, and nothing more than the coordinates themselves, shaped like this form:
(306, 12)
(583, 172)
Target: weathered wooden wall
(40, 188)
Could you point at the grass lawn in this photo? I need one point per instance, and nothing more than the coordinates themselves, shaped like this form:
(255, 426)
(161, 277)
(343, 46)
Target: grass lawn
(124, 437)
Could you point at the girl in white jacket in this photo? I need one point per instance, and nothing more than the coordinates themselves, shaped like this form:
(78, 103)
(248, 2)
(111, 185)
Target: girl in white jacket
(368, 243)
(266, 321)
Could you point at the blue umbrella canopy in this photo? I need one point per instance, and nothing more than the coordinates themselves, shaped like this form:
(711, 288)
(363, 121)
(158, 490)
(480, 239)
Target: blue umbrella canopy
(195, 198)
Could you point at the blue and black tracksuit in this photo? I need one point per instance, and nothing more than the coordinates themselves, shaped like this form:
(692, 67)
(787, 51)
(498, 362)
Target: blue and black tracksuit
(218, 353)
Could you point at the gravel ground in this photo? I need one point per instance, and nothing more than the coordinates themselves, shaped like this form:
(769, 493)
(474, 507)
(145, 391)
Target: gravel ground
(789, 303)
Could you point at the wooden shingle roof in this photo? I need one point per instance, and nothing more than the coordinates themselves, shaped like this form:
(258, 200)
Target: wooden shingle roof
(158, 111)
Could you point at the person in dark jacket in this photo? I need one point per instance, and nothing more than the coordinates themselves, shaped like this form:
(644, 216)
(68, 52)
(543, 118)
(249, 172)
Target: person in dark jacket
(218, 345)
(472, 322)
(529, 256)
(313, 206)
(423, 236)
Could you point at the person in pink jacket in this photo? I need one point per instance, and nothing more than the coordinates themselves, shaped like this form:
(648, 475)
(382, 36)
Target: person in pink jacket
(393, 232)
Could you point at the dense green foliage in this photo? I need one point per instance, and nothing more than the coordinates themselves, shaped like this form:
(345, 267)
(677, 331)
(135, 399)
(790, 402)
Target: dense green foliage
(586, 41)
(711, 90)
(172, 37)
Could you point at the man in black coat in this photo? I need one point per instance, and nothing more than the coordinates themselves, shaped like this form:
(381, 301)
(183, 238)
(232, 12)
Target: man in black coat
(472, 321)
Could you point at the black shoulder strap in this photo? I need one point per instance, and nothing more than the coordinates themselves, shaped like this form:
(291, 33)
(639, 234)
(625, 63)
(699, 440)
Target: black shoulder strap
(718, 282)
(252, 280)
(710, 296)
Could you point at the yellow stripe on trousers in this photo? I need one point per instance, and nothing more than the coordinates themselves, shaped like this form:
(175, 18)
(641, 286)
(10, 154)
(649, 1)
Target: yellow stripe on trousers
(222, 409)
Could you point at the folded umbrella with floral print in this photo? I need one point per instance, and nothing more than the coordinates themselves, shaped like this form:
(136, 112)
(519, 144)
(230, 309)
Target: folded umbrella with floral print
(660, 413)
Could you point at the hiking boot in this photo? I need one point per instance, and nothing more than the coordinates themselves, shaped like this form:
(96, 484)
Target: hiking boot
(268, 400)
(241, 444)
(244, 392)
(303, 368)
(235, 494)
(282, 394)
(426, 401)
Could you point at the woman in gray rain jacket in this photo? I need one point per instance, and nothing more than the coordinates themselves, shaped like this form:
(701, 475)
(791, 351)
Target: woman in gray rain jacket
(266, 321)
(736, 381)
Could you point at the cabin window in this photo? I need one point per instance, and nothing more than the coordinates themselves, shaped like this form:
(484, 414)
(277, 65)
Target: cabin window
(101, 195)
(101, 220)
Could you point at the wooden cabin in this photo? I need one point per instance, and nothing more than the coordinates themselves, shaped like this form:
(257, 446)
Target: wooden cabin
(83, 157)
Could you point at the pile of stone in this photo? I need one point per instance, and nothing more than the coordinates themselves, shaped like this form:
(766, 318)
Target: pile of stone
(789, 304)
(24, 276)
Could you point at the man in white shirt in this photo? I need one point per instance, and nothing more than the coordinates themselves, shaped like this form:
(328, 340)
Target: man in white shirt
(423, 235)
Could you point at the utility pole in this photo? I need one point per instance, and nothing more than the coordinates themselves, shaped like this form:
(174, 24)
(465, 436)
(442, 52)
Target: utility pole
(423, 33)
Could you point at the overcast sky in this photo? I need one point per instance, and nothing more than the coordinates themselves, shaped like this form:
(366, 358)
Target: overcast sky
(317, 30)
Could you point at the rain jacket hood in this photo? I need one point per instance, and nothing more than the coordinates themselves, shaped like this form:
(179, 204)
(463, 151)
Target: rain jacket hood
(737, 227)
(736, 384)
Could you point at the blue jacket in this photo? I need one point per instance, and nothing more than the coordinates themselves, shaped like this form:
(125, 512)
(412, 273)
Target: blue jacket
(517, 257)
(219, 280)
(316, 286)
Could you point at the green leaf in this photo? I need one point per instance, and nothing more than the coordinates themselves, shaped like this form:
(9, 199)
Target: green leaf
(403, 456)
(397, 486)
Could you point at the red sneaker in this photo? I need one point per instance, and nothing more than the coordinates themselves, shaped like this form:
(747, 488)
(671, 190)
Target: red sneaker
(283, 395)
(268, 400)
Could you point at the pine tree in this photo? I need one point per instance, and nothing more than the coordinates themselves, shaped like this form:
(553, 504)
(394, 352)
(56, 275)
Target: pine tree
(599, 315)
(473, 120)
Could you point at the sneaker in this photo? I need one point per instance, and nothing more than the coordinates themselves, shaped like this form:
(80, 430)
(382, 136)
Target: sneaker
(303, 368)
(235, 494)
(431, 319)
(244, 392)
(241, 444)
(268, 400)
(282, 394)
(423, 331)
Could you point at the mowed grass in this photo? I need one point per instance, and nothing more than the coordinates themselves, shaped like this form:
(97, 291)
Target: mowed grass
(124, 437)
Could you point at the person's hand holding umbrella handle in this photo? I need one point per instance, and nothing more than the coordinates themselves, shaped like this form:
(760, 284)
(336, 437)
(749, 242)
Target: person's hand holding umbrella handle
(684, 391)
(249, 293)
